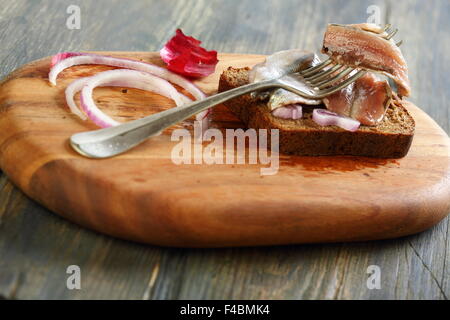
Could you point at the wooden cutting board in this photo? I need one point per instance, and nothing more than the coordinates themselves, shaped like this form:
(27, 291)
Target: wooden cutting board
(143, 196)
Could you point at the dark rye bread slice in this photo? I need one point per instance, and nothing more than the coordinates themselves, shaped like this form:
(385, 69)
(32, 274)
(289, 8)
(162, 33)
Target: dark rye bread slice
(390, 139)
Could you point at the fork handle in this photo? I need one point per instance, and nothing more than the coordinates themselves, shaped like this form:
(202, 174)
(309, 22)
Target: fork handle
(108, 142)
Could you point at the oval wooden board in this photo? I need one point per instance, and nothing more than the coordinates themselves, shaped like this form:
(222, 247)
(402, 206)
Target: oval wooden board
(143, 196)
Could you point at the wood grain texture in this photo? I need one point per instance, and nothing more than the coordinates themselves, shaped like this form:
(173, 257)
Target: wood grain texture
(143, 196)
(32, 263)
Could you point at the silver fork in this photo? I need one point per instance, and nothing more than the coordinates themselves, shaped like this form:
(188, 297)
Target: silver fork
(313, 83)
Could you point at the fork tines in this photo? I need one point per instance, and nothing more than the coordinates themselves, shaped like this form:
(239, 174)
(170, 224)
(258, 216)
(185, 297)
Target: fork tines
(391, 33)
(320, 77)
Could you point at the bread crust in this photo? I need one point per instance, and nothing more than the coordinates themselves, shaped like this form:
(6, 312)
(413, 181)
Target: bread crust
(390, 139)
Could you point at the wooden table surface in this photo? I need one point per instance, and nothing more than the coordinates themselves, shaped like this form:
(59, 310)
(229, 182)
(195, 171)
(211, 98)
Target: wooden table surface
(36, 246)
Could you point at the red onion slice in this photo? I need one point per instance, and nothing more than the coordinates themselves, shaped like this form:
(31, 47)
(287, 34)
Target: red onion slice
(324, 117)
(77, 85)
(293, 111)
(184, 55)
(64, 55)
(127, 78)
(65, 60)
(70, 92)
(297, 112)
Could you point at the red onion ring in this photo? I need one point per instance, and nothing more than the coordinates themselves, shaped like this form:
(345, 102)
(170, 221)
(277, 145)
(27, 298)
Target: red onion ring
(126, 78)
(77, 85)
(65, 60)
(293, 112)
(326, 118)
(70, 92)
